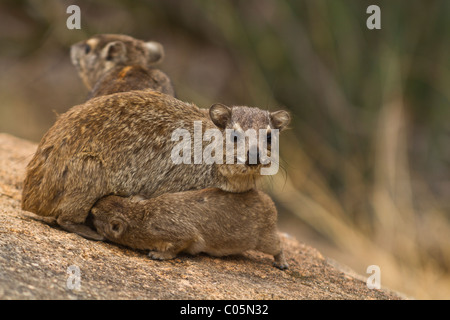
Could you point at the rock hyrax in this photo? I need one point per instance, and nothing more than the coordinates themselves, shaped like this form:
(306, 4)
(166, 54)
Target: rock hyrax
(120, 144)
(210, 220)
(110, 63)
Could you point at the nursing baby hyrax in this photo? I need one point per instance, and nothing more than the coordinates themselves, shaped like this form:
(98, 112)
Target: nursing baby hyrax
(110, 63)
(210, 220)
(122, 144)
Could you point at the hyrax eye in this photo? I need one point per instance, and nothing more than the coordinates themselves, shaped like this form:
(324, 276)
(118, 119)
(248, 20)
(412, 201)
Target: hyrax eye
(87, 48)
(115, 226)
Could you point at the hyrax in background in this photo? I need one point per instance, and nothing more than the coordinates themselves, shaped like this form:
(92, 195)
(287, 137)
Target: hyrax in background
(213, 221)
(120, 144)
(110, 63)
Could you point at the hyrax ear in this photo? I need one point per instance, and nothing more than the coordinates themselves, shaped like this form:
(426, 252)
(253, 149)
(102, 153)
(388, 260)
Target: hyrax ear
(117, 227)
(220, 115)
(155, 52)
(114, 51)
(280, 119)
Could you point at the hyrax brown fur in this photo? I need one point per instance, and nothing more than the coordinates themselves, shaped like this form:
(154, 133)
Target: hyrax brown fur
(120, 144)
(210, 220)
(110, 63)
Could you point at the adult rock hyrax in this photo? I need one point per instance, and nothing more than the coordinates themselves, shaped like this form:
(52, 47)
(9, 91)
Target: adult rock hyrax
(110, 63)
(120, 144)
(210, 220)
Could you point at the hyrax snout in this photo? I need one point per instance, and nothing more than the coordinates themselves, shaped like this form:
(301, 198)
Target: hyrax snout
(121, 144)
(210, 220)
(110, 63)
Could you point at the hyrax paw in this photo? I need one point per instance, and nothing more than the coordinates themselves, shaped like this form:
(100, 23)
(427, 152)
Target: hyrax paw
(281, 266)
(158, 255)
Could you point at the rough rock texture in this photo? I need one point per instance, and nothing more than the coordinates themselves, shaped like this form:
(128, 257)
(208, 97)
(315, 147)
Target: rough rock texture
(35, 257)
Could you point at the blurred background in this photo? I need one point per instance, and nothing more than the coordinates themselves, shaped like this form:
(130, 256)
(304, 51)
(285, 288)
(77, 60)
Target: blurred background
(366, 163)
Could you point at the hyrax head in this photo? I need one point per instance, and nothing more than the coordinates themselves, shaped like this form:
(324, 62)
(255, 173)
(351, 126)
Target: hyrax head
(251, 138)
(108, 217)
(99, 54)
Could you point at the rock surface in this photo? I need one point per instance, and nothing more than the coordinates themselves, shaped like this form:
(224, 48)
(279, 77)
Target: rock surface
(35, 257)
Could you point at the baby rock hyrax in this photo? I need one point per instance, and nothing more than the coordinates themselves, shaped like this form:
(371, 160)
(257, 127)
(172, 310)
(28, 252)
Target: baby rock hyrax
(210, 220)
(110, 63)
(120, 144)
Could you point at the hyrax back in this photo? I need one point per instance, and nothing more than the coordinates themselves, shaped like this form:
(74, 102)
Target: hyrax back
(110, 63)
(210, 220)
(120, 144)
